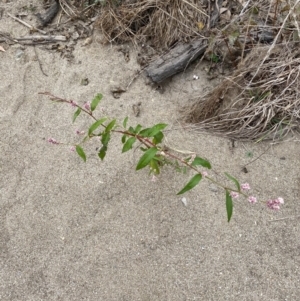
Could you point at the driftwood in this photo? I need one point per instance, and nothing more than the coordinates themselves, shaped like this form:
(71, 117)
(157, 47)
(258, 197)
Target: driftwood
(43, 38)
(182, 55)
(176, 60)
(49, 15)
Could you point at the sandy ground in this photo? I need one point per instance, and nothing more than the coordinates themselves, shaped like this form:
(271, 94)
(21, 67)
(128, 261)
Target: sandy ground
(102, 231)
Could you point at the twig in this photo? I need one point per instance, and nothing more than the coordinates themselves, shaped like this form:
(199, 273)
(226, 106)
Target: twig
(27, 25)
(258, 157)
(244, 8)
(283, 218)
(43, 38)
(40, 64)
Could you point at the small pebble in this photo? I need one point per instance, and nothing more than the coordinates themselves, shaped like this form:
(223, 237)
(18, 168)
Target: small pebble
(184, 201)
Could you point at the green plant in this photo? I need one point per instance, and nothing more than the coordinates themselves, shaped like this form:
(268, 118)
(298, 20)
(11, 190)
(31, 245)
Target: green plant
(154, 155)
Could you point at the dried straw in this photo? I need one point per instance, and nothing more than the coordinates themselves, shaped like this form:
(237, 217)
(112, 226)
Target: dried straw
(163, 22)
(254, 104)
(261, 99)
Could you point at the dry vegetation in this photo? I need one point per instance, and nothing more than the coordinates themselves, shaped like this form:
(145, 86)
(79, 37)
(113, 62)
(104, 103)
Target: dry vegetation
(260, 100)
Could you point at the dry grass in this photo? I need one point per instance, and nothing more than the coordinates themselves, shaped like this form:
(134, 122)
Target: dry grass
(161, 22)
(254, 104)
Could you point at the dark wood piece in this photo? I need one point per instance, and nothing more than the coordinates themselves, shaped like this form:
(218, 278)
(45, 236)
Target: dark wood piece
(176, 60)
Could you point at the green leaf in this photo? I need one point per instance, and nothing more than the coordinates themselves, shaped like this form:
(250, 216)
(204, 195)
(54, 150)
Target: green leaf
(123, 138)
(80, 152)
(202, 162)
(191, 184)
(131, 130)
(95, 125)
(158, 138)
(229, 205)
(96, 101)
(102, 152)
(128, 144)
(137, 128)
(146, 158)
(110, 126)
(76, 114)
(125, 122)
(151, 132)
(105, 138)
(234, 180)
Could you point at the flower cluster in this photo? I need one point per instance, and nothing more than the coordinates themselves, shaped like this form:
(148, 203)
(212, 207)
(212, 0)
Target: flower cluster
(52, 141)
(245, 187)
(87, 106)
(275, 204)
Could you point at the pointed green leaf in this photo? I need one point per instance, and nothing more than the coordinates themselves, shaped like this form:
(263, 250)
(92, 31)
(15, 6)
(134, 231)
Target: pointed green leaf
(76, 114)
(158, 138)
(95, 125)
(105, 138)
(110, 126)
(146, 158)
(191, 184)
(229, 205)
(123, 138)
(102, 152)
(125, 122)
(202, 162)
(96, 101)
(151, 132)
(137, 128)
(128, 144)
(131, 130)
(80, 152)
(234, 180)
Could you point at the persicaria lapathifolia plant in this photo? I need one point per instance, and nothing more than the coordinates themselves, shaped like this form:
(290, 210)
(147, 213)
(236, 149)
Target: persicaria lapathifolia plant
(154, 154)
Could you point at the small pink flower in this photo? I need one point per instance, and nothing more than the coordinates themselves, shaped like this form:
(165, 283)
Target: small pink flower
(245, 186)
(72, 148)
(73, 103)
(154, 178)
(52, 141)
(204, 174)
(280, 200)
(87, 106)
(252, 199)
(275, 204)
(79, 132)
(234, 194)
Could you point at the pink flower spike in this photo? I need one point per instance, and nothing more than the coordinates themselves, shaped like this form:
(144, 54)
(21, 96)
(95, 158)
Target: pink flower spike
(204, 174)
(87, 106)
(234, 194)
(280, 200)
(79, 132)
(73, 103)
(52, 141)
(154, 178)
(252, 199)
(274, 204)
(245, 186)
